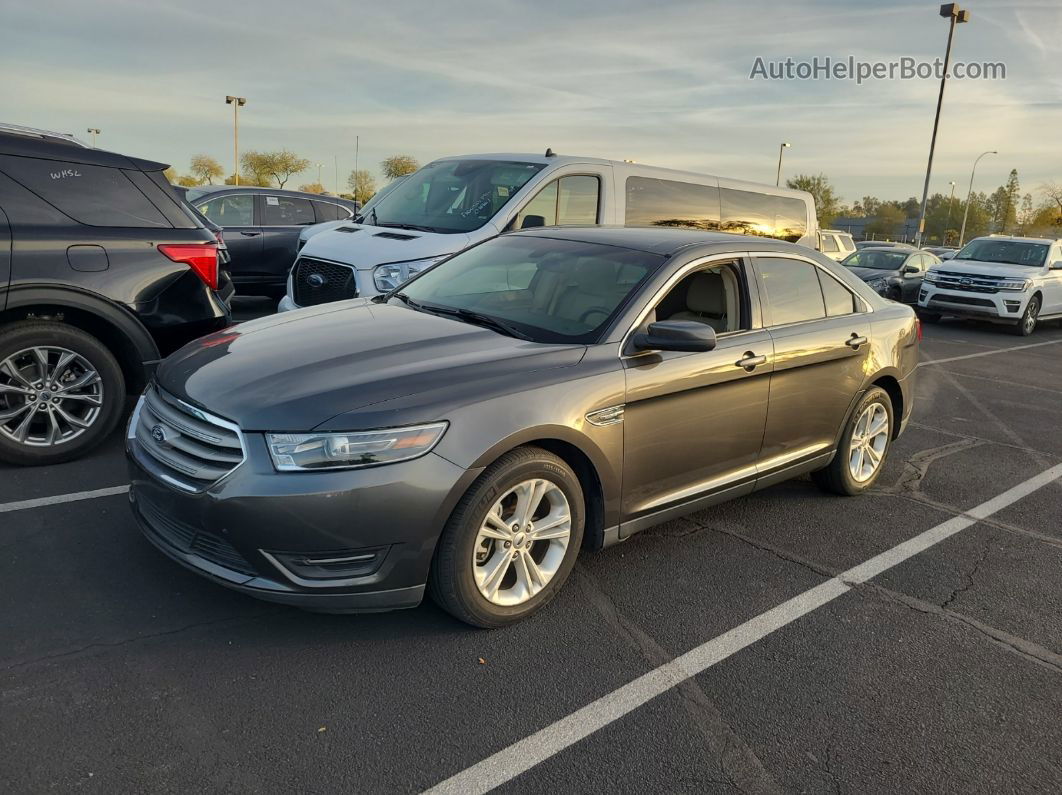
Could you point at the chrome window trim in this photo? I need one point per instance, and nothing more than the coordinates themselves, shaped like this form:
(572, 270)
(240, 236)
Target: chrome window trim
(867, 308)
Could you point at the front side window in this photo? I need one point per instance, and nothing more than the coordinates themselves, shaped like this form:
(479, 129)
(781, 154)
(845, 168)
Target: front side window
(286, 211)
(829, 244)
(568, 201)
(91, 195)
(235, 210)
(793, 291)
(667, 202)
(1008, 252)
(548, 290)
(713, 296)
(452, 196)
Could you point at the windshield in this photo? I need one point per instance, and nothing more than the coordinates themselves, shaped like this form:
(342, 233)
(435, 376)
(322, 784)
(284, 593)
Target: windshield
(452, 195)
(877, 258)
(195, 193)
(1009, 252)
(547, 290)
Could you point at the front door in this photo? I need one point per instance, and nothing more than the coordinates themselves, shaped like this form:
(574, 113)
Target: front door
(693, 422)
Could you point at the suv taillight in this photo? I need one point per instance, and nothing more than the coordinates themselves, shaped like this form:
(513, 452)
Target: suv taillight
(200, 257)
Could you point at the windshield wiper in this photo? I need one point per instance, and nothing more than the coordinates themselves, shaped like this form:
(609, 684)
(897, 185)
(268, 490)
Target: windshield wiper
(478, 319)
(413, 227)
(405, 299)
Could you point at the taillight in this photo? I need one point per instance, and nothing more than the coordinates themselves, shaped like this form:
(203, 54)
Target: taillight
(918, 326)
(200, 257)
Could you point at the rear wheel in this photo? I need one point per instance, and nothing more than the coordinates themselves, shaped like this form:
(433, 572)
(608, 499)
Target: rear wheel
(864, 445)
(512, 540)
(61, 393)
(1029, 319)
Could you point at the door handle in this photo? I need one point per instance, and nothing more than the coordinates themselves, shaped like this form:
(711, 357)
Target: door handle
(250, 234)
(855, 341)
(750, 361)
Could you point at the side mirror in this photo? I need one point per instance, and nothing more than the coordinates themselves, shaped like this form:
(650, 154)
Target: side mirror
(912, 269)
(1056, 265)
(533, 221)
(676, 335)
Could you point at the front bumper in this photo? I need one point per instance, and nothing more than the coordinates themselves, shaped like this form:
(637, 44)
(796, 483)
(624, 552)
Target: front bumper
(243, 531)
(1004, 305)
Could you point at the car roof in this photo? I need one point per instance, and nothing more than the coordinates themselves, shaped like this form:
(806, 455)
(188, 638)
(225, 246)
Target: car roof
(657, 240)
(1016, 239)
(266, 189)
(28, 142)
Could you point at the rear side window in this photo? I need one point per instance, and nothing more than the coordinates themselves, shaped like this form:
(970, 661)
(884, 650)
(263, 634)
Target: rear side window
(750, 213)
(846, 242)
(91, 195)
(568, 201)
(229, 210)
(793, 290)
(286, 211)
(836, 296)
(666, 202)
(326, 211)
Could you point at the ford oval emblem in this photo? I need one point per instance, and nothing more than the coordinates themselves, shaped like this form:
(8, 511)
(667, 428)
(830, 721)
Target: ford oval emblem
(158, 433)
(965, 282)
(316, 280)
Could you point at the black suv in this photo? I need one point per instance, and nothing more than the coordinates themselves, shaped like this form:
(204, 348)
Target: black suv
(103, 271)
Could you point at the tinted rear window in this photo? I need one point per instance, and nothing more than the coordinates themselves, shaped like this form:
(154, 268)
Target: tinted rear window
(326, 211)
(666, 202)
(286, 211)
(92, 195)
(761, 214)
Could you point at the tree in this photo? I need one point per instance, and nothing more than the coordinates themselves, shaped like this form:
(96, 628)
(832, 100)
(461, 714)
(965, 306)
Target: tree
(261, 167)
(1053, 191)
(827, 204)
(206, 169)
(171, 175)
(889, 220)
(398, 166)
(363, 184)
(1026, 215)
(313, 187)
(188, 181)
(1008, 201)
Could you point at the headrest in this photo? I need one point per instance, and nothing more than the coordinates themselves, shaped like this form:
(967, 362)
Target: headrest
(707, 295)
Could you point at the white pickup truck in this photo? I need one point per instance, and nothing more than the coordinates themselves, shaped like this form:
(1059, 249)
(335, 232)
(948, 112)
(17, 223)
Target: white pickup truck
(1012, 280)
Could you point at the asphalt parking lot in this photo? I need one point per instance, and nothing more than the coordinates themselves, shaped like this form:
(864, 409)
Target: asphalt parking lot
(942, 672)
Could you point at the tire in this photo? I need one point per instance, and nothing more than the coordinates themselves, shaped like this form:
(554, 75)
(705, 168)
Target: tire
(50, 436)
(464, 559)
(1029, 318)
(838, 476)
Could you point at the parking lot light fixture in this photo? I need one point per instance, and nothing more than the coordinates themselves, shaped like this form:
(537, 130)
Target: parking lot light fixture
(969, 193)
(955, 16)
(778, 176)
(94, 131)
(237, 103)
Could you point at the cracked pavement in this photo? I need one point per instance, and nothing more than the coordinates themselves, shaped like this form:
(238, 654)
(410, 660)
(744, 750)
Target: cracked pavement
(120, 671)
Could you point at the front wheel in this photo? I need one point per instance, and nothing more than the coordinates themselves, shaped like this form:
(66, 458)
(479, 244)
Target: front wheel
(61, 393)
(864, 445)
(512, 540)
(1029, 319)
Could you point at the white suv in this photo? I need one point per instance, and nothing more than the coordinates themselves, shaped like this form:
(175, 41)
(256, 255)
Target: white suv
(835, 244)
(1015, 280)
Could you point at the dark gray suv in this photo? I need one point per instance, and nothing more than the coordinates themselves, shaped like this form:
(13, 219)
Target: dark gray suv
(545, 391)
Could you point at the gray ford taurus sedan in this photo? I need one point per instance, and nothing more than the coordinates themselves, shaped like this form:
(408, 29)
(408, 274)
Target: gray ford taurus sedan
(547, 391)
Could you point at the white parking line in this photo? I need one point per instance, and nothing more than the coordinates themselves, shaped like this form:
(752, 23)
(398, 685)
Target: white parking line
(58, 499)
(521, 756)
(988, 353)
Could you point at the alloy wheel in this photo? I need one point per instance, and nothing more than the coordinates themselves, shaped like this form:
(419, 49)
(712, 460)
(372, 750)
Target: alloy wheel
(1031, 313)
(48, 396)
(870, 437)
(522, 542)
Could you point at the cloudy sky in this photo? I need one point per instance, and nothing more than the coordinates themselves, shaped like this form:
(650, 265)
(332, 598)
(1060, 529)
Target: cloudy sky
(665, 83)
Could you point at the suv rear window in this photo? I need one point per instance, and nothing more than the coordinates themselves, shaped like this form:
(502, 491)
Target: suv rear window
(92, 195)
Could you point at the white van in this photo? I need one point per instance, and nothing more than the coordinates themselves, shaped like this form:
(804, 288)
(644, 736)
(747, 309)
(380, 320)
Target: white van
(455, 202)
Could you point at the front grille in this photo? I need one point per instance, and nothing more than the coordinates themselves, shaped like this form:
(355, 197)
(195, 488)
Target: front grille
(193, 448)
(188, 539)
(961, 299)
(953, 280)
(319, 282)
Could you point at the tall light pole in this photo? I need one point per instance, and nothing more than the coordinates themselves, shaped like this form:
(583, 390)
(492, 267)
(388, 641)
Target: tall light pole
(319, 172)
(778, 176)
(951, 204)
(95, 131)
(237, 103)
(335, 164)
(955, 16)
(969, 192)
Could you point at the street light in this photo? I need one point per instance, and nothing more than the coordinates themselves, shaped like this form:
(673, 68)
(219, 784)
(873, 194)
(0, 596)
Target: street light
(951, 203)
(955, 15)
(966, 212)
(778, 178)
(319, 173)
(237, 103)
(95, 131)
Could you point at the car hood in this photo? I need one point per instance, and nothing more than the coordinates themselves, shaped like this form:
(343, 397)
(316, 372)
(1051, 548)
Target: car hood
(324, 226)
(370, 246)
(974, 267)
(868, 274)
(292, 372)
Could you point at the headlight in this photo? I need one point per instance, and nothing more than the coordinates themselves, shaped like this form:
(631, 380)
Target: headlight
(877, 284)
(931, 276)
(1015, 284)
(388, 277)
(300, 452)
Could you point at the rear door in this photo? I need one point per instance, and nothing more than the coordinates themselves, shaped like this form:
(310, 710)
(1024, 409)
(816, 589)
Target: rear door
(234, 213)
(282, 218)
(821, 334)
